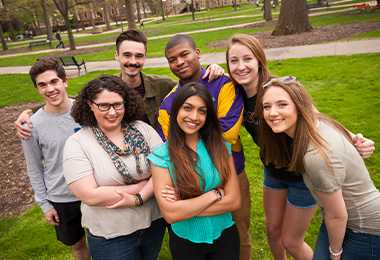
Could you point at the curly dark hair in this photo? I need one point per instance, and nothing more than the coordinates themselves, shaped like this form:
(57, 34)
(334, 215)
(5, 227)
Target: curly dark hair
(81, 111)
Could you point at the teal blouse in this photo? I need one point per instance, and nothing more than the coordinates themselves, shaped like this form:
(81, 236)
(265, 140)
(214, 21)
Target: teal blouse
(197, 229)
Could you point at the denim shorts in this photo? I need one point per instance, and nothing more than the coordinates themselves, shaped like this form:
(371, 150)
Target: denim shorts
(356, 246)
(298, 196)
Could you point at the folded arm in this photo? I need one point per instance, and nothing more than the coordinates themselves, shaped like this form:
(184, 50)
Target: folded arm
(87, 190)
(231, 199)
(179, 210)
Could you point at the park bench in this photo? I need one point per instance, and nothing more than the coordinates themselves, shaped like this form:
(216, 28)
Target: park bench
(71, 61)
(318, 5)
(39, 43)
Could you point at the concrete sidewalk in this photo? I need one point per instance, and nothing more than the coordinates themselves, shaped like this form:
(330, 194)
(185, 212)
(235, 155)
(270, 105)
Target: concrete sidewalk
(275, 54)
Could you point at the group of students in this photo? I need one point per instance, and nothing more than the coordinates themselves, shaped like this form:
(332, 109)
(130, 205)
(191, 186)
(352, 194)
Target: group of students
(126, 185)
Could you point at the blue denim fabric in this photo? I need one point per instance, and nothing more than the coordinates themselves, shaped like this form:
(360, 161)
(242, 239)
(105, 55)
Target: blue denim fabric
(298, 196)
(356, 246)
(144, 244)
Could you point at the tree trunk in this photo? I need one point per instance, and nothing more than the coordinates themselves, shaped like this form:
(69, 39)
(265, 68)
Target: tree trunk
(235, 5)
(275, 3)
(144, 9)
(138, 11)
(91, 15)
(106, 16)
(293, 18)
(268, 10)
(70, 33)
(130, 15)
(192, 9)
(162, 10)
(11, 30)
(63, 8)
(80, 14)
(37, 30)
(76, 23)
(49, 31)
(3, 42)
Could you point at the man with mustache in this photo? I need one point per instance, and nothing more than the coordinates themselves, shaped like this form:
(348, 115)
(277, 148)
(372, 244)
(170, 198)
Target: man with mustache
(131, 53)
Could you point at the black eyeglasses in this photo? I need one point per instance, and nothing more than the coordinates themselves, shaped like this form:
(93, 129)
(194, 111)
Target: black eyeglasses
(286, 79)
(104, 107)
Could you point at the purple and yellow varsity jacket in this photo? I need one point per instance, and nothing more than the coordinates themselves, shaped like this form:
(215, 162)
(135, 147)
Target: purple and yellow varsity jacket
(228, 103)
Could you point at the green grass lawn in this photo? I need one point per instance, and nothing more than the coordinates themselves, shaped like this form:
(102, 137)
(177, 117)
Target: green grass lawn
(180, 24)
(344, 87)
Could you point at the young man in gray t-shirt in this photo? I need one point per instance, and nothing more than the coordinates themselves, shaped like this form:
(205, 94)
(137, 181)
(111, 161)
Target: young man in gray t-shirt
(44, 152)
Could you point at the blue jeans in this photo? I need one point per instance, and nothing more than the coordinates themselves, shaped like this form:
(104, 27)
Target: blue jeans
(356, 246)
(143, 244)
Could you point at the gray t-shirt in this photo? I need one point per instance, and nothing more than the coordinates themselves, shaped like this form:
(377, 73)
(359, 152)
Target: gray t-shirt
(361, 197)
(44, 152)
(84, 156)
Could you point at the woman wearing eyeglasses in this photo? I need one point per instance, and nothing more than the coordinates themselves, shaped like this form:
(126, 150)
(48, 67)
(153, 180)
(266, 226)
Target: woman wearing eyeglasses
(332, 169)
(288, 204)
(105, 166)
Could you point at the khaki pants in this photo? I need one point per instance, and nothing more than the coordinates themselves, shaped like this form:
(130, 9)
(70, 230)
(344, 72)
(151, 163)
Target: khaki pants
(242, 218)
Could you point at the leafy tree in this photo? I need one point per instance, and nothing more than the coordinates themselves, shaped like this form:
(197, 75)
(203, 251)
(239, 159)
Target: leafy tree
(293, 18)
(6, 15)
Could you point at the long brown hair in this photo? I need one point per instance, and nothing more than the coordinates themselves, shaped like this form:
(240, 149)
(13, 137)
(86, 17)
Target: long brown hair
(273, 145)
(187, 181)
(257, 50)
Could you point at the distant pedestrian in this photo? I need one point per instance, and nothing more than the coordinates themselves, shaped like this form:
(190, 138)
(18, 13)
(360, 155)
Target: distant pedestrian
(141, 24)
(58, 37)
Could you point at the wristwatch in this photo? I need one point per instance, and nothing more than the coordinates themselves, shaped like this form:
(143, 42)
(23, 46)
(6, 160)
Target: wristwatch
(138, 200)
(218, 194)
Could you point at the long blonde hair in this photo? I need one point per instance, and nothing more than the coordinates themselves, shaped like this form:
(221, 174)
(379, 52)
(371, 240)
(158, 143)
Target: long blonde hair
(273, 145)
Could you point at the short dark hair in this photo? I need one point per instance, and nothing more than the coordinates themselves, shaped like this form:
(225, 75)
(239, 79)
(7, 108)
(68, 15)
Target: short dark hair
(46, 64)
(131, 35)
(179, 39)
(81, 111)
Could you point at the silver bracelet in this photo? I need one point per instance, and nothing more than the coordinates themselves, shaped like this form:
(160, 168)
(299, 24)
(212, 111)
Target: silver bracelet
(336, 254)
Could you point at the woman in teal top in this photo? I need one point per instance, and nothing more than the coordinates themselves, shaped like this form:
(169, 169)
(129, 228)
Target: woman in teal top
(194, 180)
